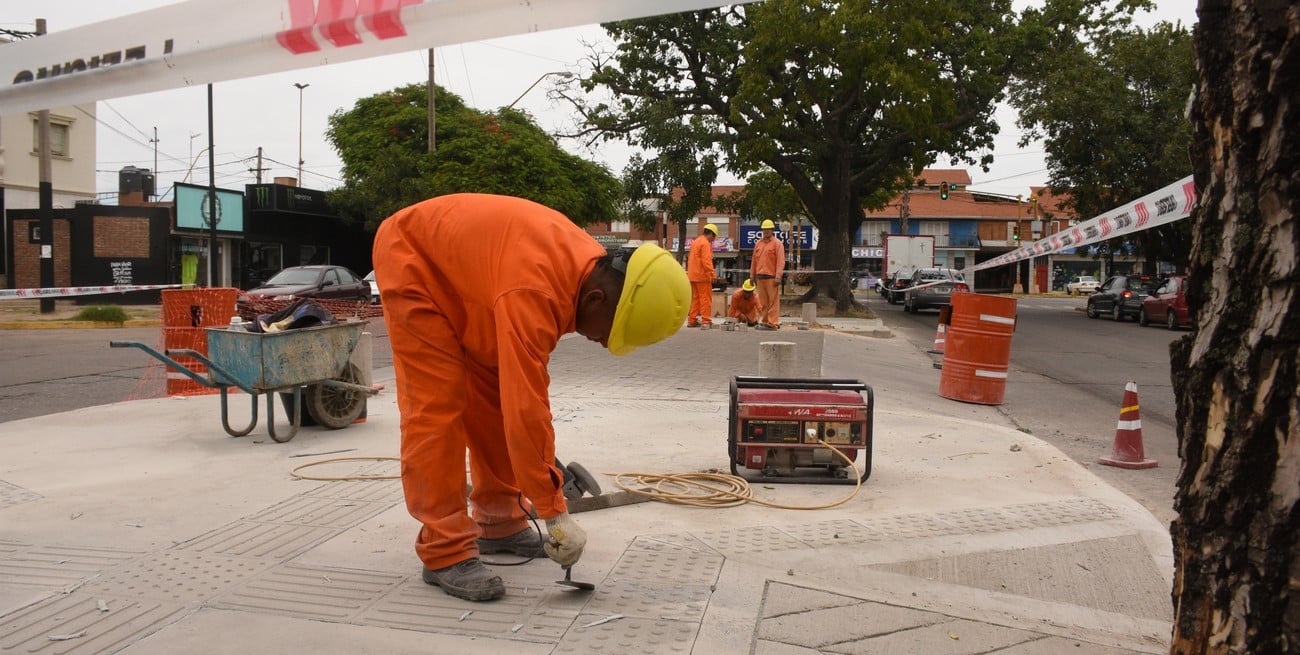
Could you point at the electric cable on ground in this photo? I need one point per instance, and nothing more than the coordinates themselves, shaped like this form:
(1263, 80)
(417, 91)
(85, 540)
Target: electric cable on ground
(714, 490)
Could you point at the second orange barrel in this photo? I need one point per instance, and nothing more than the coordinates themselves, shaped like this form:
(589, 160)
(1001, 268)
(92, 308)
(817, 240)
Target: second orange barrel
(978, 348)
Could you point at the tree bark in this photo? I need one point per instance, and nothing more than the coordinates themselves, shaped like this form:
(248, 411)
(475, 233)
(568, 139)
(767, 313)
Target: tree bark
(1237, 568)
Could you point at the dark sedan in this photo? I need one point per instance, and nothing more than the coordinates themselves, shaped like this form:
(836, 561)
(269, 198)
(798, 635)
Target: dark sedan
(325, 281)
(1120, 297)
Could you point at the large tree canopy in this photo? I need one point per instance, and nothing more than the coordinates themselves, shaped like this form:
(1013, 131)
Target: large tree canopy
(1110, 111)
(843, 100)
(383, 142)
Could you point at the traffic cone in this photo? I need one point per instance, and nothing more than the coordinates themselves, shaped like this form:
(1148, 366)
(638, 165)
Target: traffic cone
(940, 337)
(1127, 452)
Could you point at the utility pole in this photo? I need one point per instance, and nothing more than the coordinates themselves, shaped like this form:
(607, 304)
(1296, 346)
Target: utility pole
(259, 169)
(46, 199)
(300, 88)
(433, 120)
(212, 199)
(154, 141)
(905, 210)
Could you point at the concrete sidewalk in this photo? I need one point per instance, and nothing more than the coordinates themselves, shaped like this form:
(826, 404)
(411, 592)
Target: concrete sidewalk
(141, 527)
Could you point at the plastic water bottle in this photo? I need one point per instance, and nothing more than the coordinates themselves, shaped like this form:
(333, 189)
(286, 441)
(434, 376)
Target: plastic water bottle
(237, 324)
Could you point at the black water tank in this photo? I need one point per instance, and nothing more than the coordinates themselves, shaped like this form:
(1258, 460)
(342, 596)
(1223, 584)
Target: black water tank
(131, 179)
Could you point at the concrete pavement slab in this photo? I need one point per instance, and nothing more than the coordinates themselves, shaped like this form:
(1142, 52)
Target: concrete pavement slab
(199, 542)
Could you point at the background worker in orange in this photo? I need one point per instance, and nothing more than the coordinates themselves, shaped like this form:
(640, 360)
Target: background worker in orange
(477, 291)
(699, 269)
(744, 304)
(765, 269)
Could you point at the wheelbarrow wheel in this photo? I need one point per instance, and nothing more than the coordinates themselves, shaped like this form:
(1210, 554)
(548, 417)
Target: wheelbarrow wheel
(333, 407)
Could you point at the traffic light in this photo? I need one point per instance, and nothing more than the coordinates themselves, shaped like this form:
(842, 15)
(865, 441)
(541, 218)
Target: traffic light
(943, 191)
(1015, 234)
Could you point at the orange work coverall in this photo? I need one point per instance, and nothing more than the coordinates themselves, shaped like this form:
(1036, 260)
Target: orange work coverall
(744, 306)
(477, 291)
(699, 270)
(765, 270)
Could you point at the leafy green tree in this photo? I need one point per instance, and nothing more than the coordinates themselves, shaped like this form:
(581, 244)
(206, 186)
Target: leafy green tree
(843, 100)
(679, 183)
(1110, 112)
(383, 142)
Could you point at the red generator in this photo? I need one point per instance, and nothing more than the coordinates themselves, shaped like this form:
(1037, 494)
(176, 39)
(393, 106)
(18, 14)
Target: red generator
(775, 426)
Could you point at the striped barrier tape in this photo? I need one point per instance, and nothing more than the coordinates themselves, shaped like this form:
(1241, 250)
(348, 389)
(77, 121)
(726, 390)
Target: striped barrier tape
(65, 292)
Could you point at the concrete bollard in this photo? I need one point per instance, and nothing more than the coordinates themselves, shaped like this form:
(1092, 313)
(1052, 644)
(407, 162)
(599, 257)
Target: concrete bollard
(776, 359)
(809, 315)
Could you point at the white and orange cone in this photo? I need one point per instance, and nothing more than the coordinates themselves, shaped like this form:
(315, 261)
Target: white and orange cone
(940, 338)
(1127, 452)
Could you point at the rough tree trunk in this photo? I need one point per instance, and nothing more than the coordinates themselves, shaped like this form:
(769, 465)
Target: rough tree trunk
(1235, 539)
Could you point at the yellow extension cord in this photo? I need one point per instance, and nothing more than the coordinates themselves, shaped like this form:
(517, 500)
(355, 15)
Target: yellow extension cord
(690, 489)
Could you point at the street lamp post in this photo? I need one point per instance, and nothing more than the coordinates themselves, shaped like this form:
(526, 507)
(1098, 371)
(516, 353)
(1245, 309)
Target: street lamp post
(300, 88)
(564, 74)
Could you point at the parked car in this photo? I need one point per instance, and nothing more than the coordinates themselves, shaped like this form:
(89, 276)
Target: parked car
(1081, 285)
(932, 287)
(374, 287)
(1167, 304)
(323, 281)
(897, 284)
(1119, 297)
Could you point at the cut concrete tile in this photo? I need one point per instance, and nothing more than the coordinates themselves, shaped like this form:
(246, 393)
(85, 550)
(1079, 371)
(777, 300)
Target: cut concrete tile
(957, 637)
(780, 599)
(819, 628)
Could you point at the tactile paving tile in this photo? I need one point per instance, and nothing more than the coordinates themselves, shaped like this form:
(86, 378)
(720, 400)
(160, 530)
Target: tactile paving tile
(628, 635)
(328, 594)
(669, 543)
(248, 539)
(1065, 512)
(758, 539)
(319, 512)
(58, 566)
(666, 600)
(536, 615)
(832, 533)
(370, 491)
(12, 494)
(908, 525)
(977, 519)
(90, 629)
(177, 576)
(667, 567)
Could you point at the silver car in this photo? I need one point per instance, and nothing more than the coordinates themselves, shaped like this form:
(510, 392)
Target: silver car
(933, 287)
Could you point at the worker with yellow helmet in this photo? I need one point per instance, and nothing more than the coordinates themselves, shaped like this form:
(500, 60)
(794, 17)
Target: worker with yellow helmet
(477, 291)
(699, 269)
(766, 268)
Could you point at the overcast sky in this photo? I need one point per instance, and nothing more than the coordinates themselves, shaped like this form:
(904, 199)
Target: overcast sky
(264, 111)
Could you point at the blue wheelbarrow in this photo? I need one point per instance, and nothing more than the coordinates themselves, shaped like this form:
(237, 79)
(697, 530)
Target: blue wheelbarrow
(309, 363)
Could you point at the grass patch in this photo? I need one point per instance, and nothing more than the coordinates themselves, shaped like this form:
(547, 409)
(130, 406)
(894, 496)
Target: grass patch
(102, 314)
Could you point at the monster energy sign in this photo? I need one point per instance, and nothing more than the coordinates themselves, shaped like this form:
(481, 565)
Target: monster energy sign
(283, 198)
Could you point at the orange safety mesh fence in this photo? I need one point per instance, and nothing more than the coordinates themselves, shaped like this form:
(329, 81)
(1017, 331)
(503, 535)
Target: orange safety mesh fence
(253, 306)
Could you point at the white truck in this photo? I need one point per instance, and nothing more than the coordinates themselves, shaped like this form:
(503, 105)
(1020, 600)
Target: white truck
(904, 253)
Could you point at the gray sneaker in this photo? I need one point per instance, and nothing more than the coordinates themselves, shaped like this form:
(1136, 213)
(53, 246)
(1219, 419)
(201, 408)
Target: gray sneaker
(525, 543)
(468, 579)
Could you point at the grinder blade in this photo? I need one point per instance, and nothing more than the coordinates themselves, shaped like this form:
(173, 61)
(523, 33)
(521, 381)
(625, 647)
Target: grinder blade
(568, 581)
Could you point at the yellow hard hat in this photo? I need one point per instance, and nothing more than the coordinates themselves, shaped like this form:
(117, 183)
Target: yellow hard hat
(652, 307)
(767, 225)
(748, 285)
(711, 228)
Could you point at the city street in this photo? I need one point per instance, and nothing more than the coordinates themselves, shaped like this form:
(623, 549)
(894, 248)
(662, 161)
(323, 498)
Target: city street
(1067, 380)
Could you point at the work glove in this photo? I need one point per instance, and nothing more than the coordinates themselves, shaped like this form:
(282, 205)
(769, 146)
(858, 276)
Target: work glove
(567, 540)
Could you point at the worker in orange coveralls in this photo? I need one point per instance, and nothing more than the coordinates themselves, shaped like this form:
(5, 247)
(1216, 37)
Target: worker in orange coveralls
(477, 291)
(744, 304)
(766, 269)
(699, 269)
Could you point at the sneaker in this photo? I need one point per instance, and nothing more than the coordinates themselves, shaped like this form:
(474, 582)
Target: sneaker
(525, 543)
(469, 580)
(765, 326)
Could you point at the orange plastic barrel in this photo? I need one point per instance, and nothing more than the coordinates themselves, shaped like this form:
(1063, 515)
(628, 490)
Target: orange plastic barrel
(978, 348)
